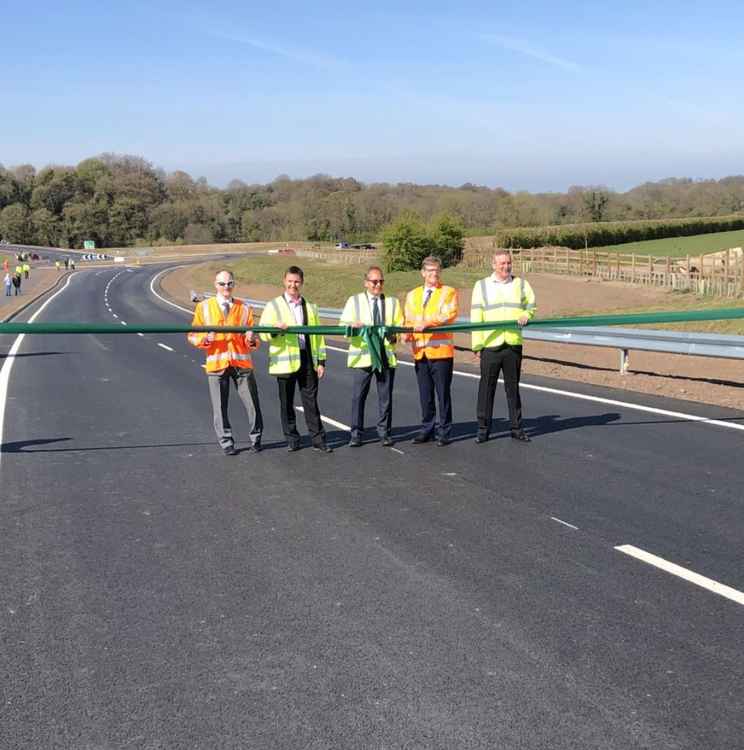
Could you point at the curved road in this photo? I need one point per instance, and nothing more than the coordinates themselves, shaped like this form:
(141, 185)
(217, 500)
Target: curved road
(157, 594)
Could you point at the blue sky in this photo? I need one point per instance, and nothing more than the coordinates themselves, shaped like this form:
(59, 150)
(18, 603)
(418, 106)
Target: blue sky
(530, 95)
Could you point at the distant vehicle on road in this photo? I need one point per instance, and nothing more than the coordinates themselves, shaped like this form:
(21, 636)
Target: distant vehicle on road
(342, 245)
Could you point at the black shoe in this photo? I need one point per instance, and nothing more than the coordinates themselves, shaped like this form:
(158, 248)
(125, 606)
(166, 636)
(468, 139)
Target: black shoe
(481, 438)
(291, 447)
(520, 435)
(355, 442)
(441, 442)
(323, 448)
(256, 448)
(231, 450)
(420, 438)
(387, 442)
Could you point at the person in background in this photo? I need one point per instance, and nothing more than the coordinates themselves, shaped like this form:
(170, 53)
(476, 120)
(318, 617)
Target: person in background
(8, 281)
(17, 283)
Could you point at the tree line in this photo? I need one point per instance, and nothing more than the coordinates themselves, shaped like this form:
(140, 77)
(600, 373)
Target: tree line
(120, 201)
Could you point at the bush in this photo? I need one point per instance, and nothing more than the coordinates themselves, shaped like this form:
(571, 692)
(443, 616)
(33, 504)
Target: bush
(408, 241)
(447, 239)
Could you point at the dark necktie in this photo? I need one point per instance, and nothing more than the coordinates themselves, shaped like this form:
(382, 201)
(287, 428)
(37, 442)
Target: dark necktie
(226, 309)
(376, 317)
(427, 296)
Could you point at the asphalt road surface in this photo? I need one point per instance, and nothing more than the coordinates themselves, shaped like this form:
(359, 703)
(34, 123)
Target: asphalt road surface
(157, 594)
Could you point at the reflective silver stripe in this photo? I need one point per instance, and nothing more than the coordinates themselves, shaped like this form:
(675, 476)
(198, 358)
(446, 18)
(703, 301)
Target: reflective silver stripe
(393, 310)
(521, 290)
(484, 292)
(277, 311)
(206, 313)
(437, 342)
(500, 305)
(530, 306)
(276, 358)
(356, 308)
(227, 355)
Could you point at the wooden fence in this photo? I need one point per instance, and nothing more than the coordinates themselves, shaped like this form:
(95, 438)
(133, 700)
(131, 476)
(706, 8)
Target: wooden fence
(720, 273)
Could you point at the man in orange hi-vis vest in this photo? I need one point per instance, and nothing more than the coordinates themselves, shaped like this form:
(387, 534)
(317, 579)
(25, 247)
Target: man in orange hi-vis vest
(427, 307)
(229, 359)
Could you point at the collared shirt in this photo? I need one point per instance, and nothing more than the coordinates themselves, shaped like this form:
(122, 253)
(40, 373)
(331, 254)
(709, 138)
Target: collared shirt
(296, 307)
(497, 280)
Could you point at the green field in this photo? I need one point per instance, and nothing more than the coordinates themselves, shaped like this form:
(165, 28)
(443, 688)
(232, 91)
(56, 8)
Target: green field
(681, 246)
(327, 284)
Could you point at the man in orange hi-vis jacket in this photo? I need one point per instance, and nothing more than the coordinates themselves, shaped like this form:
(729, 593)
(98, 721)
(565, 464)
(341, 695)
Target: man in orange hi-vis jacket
(229, 360)
(427, 307)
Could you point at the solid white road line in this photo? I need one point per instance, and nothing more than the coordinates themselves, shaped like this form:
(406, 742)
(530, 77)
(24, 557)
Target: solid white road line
(330, 421)
(565, 523)
(596, 399)
(163, 299)
(10, 359)
(678, 570)
(164, 346)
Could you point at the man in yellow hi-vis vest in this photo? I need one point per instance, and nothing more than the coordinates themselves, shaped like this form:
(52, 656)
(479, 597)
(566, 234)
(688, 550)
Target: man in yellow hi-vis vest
(296, 359)
(495, 298)
(428, 307)
(228, 359)
(368, 308)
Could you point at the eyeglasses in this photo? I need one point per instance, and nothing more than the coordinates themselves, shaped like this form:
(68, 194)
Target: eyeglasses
(225, 283)
(376, 282)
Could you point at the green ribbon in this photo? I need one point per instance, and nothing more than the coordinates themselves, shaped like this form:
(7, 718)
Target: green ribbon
(374, 336)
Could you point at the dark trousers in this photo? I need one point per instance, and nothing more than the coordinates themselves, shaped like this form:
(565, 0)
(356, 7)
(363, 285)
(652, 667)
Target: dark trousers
(434, 378)
(307, 380)
(362, 380)
(219, 393)
(493, 361)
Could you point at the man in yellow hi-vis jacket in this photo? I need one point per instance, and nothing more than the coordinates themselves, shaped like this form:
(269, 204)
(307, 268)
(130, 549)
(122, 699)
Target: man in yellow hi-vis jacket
(500, 297)
(296, 359)
(368, 308)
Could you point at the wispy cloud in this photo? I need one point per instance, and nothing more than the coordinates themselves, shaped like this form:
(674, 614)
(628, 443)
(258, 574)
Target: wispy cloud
(296, 54)
(524, 48)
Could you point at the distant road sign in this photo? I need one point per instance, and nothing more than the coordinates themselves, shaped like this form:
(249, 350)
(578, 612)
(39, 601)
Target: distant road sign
(89, 245)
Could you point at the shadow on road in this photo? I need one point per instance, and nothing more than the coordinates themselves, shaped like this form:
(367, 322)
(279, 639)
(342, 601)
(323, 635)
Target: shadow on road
(30, 354)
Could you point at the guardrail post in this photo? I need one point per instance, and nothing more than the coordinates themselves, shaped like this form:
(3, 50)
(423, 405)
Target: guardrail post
(624, 361)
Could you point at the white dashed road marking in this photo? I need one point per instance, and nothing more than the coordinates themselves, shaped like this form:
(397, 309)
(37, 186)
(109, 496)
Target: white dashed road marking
(565, 523)
(678, 570)
(165, 347)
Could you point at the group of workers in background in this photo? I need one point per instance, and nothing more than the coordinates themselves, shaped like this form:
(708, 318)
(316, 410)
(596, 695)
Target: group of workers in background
(15, 279)
(298, 360)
